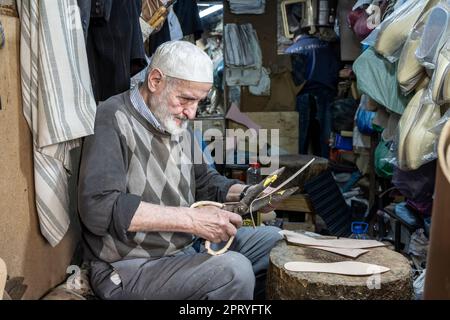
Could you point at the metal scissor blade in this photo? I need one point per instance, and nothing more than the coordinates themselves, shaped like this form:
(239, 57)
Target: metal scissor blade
(275, 198)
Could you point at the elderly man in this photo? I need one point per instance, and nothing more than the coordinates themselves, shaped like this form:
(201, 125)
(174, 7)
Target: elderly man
(137, 183)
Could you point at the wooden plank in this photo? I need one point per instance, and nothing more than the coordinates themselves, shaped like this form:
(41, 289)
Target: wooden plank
(8, 8)
(286, 122)
(296, 202)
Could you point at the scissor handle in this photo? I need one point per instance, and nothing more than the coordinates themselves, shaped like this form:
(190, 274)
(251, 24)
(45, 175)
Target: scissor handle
(221, 251)
(208, 243)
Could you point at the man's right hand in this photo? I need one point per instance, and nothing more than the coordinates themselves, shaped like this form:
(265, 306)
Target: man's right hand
(214, 224)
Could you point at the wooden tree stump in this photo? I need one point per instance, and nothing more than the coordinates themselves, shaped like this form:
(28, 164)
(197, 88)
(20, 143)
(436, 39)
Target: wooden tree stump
(293, 162)
(282, 284)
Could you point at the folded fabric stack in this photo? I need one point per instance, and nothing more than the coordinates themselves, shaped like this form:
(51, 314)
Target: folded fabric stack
(243, 57)
(247, 6)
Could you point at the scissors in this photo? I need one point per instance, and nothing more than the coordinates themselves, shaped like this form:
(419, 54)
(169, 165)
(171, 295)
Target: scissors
(257, 197)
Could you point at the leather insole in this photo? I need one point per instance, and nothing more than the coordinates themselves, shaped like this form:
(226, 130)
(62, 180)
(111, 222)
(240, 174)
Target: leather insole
(351, 268)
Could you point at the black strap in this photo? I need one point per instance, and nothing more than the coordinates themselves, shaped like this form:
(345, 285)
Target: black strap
(242, 195)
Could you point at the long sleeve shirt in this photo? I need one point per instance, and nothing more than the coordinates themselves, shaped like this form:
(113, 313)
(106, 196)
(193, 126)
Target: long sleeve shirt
(127, 161)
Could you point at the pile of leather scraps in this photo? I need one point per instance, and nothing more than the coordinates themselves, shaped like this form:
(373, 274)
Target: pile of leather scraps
(352, 248)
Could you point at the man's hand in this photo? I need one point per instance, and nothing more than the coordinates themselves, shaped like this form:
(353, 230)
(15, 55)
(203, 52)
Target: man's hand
(214, 224)
(271, 203)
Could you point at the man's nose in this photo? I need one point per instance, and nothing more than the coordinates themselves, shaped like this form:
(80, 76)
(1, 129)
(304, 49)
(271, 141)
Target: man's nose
(190, 112)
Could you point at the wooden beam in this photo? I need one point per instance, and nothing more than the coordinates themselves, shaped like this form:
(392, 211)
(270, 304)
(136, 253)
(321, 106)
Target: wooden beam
(296, 202)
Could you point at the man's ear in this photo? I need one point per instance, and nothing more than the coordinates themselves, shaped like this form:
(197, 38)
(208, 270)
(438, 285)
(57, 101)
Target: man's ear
(154, 80)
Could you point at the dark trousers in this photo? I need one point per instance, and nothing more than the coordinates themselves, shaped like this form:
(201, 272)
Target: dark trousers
(314, 108)
(239, 274)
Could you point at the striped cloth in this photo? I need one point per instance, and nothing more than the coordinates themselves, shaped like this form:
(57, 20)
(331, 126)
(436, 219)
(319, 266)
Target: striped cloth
(141, 107)
(58, 102)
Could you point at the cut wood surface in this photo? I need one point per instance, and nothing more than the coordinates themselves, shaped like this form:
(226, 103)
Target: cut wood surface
(296, 202)
(284, 284)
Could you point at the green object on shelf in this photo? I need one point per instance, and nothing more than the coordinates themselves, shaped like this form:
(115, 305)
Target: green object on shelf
(383, 159)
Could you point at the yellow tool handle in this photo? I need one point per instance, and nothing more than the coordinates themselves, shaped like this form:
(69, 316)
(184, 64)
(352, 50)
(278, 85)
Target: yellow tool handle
(157, 15)
(158, 22)
(208, 243)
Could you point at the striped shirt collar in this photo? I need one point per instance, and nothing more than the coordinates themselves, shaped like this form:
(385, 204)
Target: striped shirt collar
(141, 107)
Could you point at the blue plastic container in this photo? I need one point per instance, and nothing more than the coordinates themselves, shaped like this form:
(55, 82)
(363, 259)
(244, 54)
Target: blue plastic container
(343, 143)
(359, 230)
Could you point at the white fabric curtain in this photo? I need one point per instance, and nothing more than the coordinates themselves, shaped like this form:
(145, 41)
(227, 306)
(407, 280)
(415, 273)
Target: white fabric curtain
(58, 102)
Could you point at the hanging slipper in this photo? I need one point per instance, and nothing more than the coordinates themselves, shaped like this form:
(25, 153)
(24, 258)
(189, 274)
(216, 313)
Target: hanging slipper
(394, 33)
(440, 82)
(435, 34)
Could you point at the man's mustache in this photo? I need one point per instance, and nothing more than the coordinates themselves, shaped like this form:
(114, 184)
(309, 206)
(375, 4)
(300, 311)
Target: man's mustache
(182, 118)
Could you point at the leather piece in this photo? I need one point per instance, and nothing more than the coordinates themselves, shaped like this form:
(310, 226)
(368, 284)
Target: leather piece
(342, 243)
(351, 268)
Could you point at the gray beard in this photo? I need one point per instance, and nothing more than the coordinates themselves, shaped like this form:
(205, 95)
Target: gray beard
(165, 118)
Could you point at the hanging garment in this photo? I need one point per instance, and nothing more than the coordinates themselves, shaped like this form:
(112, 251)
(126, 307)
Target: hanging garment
(58, 103)
(247, 6)
(263, 87)
(242, 55)
(377, 78)
(321, 61)
(114, 46)
(188, 16)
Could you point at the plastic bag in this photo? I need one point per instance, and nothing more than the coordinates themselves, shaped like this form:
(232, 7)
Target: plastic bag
(357, 20)
(418, 286)
(372, 38)
(364, 119)
(410, 72)
(440, 82)
(416, 143)
(439, 125)
(436, 32)
(383, 159)
(397, 27)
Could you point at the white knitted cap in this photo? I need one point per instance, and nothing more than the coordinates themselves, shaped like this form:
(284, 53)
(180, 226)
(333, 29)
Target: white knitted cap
(183, 60)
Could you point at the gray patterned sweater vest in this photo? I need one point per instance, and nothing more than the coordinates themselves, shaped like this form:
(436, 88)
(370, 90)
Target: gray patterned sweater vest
(127, 161)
